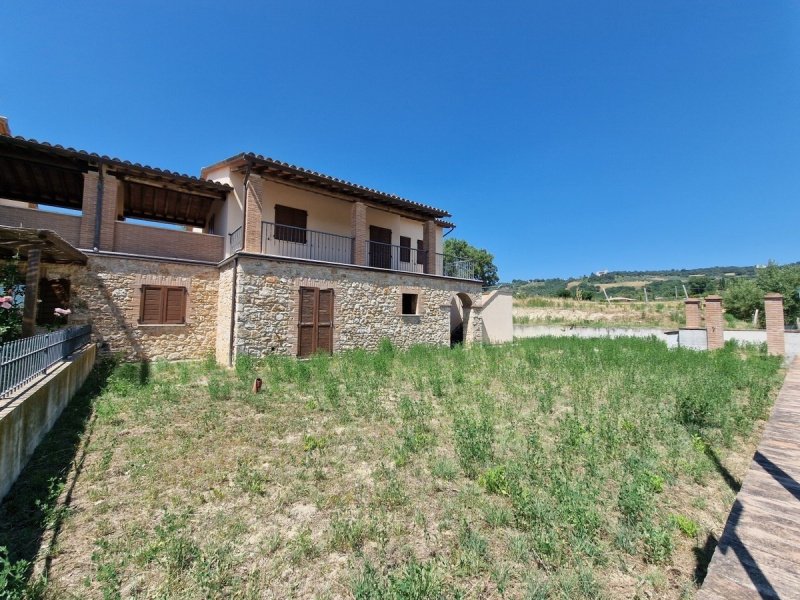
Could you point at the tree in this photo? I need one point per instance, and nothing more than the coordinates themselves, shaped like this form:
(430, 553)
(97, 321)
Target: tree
(486, 271)
(744, 296)
(10, 301)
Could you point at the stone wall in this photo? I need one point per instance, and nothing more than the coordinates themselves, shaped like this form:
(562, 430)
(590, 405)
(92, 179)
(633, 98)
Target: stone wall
(367, 306)
(106, 293)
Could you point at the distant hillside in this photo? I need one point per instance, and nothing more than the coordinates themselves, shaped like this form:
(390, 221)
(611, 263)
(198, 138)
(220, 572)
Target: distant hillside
(665, 283)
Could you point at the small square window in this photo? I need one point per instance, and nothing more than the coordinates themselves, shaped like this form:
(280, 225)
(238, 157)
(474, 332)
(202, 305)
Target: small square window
(410, 302)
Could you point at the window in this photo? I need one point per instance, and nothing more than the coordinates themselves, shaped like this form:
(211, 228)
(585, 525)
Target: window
(420, 252)
(410, 304)
(405, 249)
(290, 224)
(162, 305)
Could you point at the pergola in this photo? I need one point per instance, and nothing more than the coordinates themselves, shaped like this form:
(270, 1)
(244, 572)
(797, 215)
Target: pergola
(35, 246)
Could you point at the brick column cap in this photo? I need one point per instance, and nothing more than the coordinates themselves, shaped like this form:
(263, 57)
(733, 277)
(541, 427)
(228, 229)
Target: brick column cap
(773, 296)
(692, 301)
(713, 298)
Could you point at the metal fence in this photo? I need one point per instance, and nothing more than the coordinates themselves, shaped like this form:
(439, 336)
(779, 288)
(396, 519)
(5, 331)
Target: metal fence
(22, 361)
(396, 258)
(236, 239)
(298, 242)
(450, 266)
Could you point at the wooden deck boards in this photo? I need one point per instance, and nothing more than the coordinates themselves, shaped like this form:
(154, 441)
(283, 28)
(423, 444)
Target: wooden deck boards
(758, 555)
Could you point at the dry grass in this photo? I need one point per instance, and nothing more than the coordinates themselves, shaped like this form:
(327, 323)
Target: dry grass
(543, 469)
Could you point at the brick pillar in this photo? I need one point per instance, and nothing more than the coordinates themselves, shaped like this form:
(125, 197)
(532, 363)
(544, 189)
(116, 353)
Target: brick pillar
(91, 211)
(31, 293)
(429, 243)
(358, 231)
(692, 307)
(253, 215)
(773, 311)
(714, 323)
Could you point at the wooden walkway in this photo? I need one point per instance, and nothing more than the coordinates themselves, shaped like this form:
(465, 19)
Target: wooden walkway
(758, 555)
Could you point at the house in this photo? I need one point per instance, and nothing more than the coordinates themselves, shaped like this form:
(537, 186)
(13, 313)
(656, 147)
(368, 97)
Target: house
(254, 257)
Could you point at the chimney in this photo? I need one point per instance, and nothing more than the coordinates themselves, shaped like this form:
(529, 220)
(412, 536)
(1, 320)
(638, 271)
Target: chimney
(4, 129)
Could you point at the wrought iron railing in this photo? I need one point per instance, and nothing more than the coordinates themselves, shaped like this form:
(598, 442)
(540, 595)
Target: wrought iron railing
(460, 268)
(22, 361)
(396, 258)
(236, 239)
(298, 242)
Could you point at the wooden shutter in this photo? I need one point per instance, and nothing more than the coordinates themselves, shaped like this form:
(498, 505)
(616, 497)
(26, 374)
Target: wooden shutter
(405, 249)
(287, 218)
(174, 305)
(420, 252)
(325, 321)
(151, 305)
(53, 293)
(306, 343)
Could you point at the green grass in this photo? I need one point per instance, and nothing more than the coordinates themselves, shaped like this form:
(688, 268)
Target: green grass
(547, 468)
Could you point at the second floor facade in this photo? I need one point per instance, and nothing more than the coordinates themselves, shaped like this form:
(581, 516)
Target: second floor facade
(246, 204)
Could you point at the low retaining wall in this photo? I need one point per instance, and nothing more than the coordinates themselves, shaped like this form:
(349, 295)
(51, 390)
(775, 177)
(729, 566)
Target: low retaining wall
(27, 418)
(522, 331)
(695, 339)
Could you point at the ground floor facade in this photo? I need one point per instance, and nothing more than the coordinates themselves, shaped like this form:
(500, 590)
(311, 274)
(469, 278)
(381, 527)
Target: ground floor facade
(148, 309)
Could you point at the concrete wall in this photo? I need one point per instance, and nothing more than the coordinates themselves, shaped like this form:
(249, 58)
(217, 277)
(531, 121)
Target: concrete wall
(791, 339)
(67, 226)
(496, 316)
(367, 306)
(26, 420)
(133, 238)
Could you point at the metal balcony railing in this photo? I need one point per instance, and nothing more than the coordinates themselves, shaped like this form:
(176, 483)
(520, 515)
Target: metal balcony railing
(396, 258)
(23, 360)
(460, 268)
(236, 238)
(297, 242)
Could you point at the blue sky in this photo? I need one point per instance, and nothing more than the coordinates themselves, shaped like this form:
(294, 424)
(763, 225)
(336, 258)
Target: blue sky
(565, 137)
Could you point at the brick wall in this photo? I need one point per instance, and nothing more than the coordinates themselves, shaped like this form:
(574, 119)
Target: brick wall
(714, 323)
(773, 312)
(429, 241)
(358, 231)
(67, 226)
(253, 215)
(153, 241)
(692, 308)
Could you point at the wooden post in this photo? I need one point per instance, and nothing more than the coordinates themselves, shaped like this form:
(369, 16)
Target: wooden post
(31, 293)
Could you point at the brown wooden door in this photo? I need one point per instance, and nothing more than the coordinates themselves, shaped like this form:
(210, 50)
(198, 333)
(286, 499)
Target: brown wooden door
(315, 327)
(380, 254)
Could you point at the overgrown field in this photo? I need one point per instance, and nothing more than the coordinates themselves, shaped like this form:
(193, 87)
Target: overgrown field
(547, 468)
(663, 314)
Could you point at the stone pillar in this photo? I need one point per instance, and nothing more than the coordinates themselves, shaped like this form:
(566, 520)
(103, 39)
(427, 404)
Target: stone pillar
(31, 293)
(93, 209)
(253, 215)
(714, 323)
(429, 229)
(358, 231)
(692, 307)
(773, 312)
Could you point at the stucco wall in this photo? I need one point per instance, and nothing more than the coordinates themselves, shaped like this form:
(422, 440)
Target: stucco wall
(26, 420)
(496, 315)
(106, 292)
(366, 306)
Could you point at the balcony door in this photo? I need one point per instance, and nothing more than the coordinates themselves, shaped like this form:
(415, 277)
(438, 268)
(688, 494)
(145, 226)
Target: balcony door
(380, 250)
